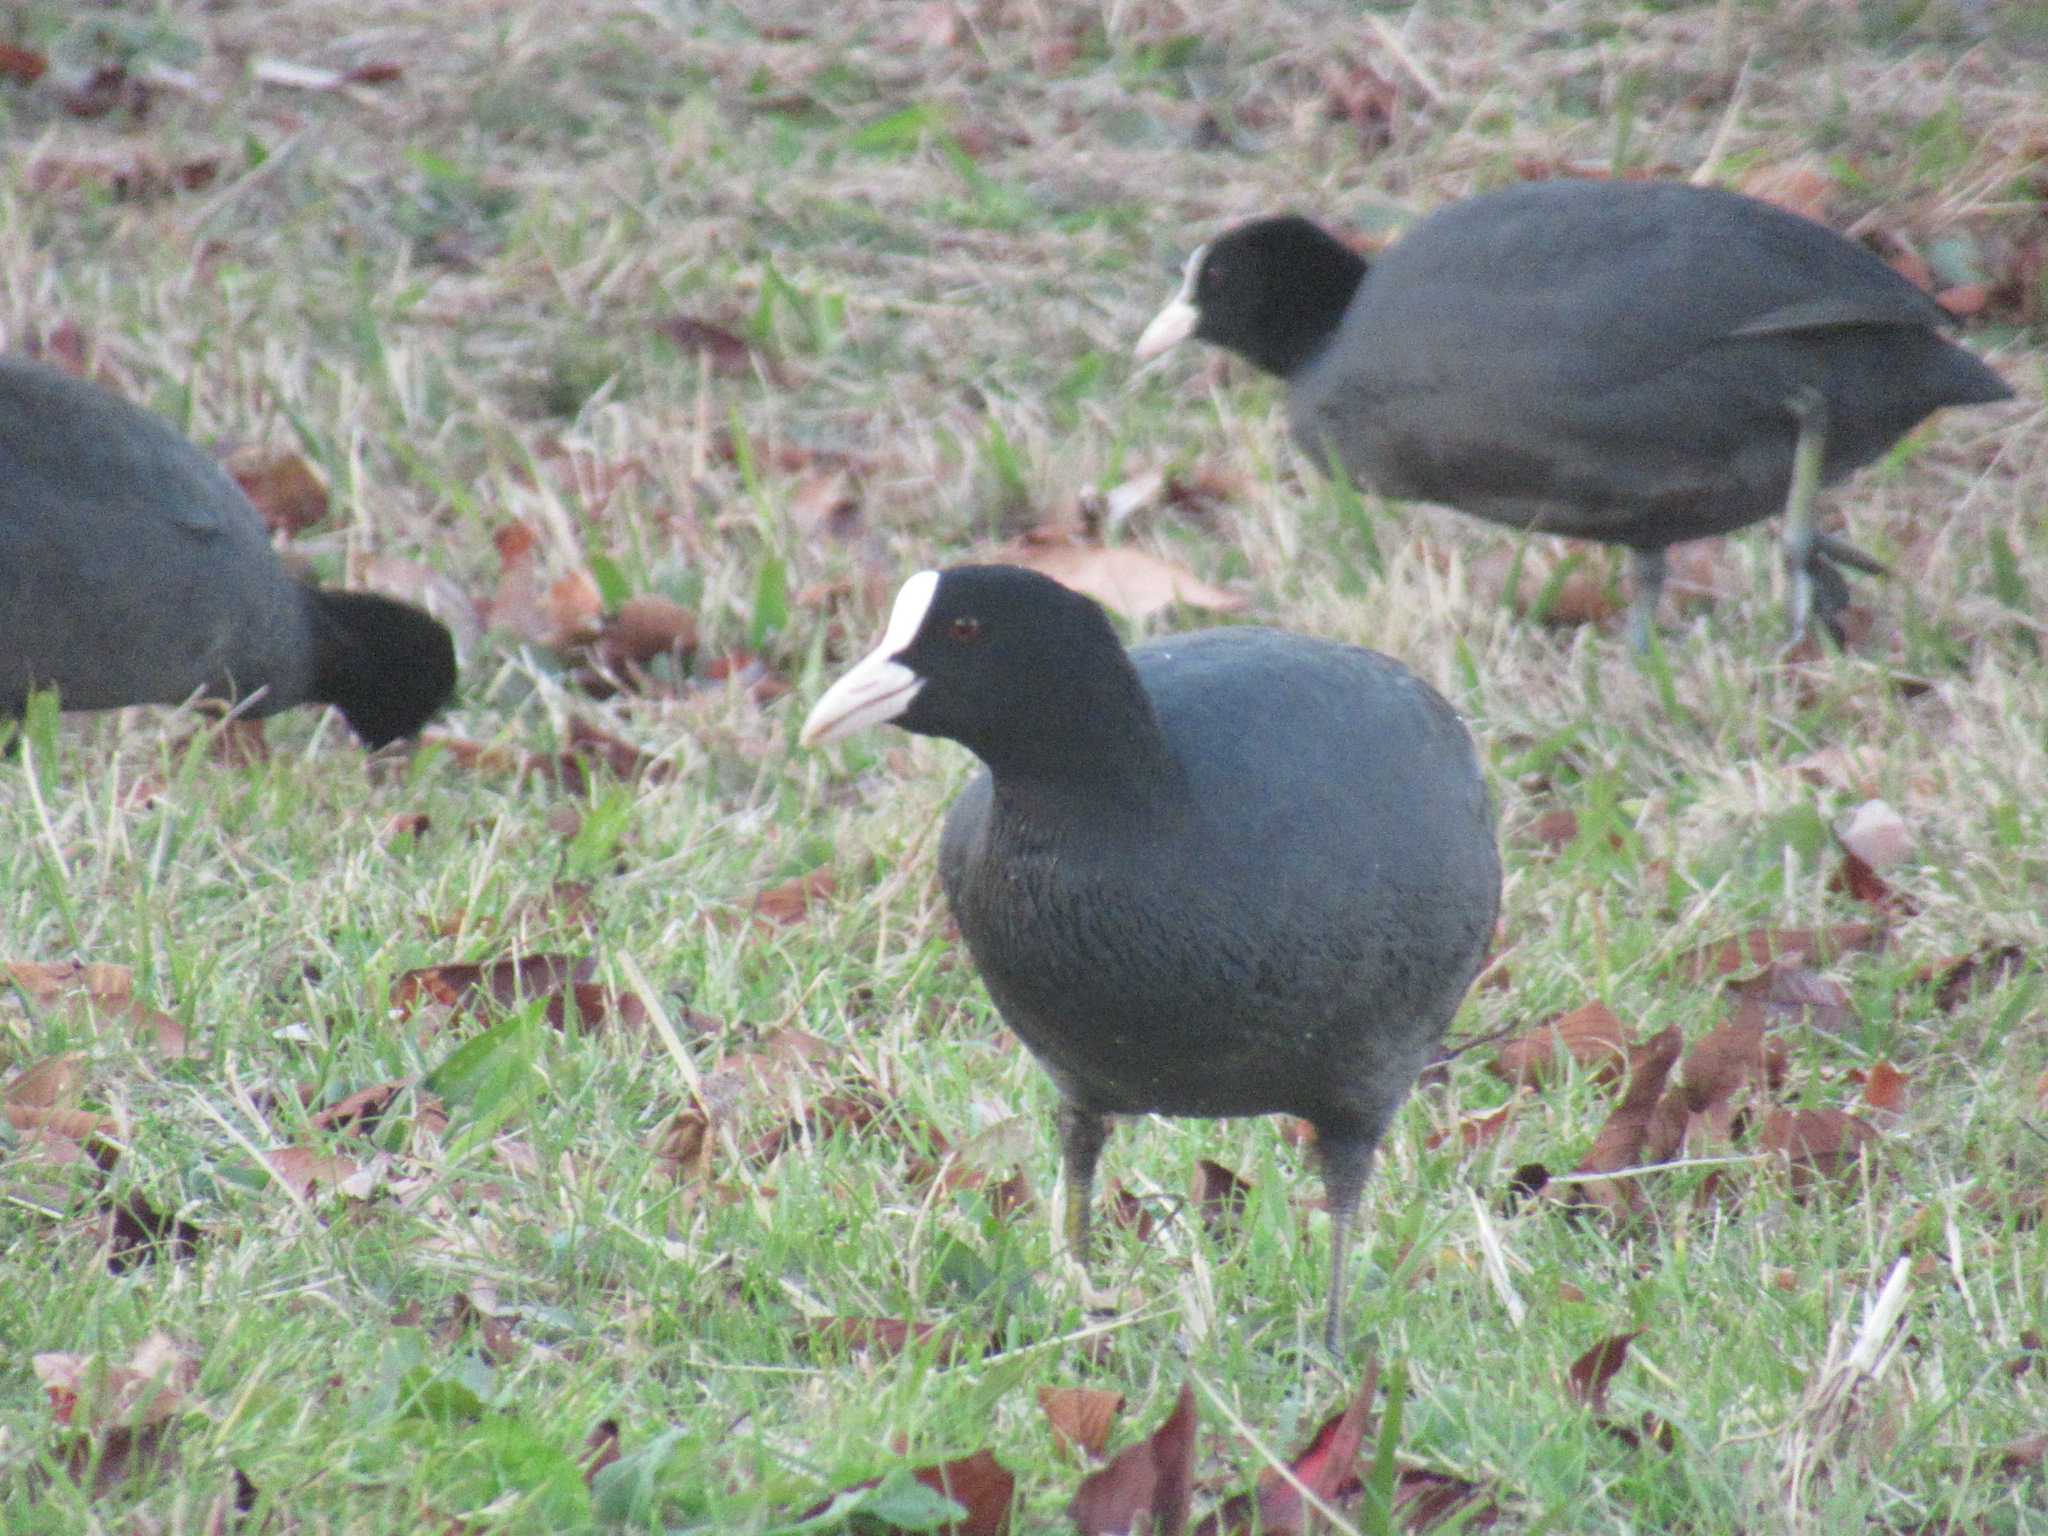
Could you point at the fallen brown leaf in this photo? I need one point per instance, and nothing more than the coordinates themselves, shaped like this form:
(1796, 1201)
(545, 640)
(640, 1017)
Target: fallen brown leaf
(1621, 1140)
(302, 1169)
(1593, 1371)
(1958, 980)
(1475, 1130)
(1220, 1195)
(285, 486)
(790, 902)
(600, 1450)
(1591, 1035)
(24, 66)
(1081, 1417)
(882, 1336)
(1790, 994)
(1884, 1089)
(1815, 1142)
(729, 353)
(1122, 577)
(55, 1082)
(1151, 1480)
(1728, 1059)
(46, 981)
(361, 1111)
(1761, 946)
(504, 982)
(1573, 581)
(1327, 1466)
(135, 1232)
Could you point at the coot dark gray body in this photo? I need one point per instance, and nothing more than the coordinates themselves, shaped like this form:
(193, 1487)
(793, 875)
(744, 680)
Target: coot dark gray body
(1236, 872)
(1634, 362)
(134, 571)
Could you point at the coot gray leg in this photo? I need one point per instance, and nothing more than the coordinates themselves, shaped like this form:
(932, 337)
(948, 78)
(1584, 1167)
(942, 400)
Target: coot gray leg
(1082, 1133)
(1809, 407)
(1646, 568)
(1346, 1162)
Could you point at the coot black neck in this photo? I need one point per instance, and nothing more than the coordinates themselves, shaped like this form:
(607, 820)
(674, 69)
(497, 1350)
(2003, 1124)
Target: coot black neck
(1092, 751)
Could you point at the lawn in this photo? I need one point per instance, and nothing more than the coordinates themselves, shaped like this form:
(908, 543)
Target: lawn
(586, 1119)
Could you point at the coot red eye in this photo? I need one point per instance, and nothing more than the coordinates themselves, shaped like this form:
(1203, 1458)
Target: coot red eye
(965, 628)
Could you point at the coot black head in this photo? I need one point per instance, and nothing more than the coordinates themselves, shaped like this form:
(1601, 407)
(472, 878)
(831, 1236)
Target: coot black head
(1023, 672)
(388, 667)
(1272, 291)
(1639, 363)
(1236, 872)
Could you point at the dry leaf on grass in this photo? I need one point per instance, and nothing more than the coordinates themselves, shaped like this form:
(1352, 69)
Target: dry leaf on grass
(1081, 1417)
(362, 1111)
(1562, 585)
(1761, 946)
(1593, 1371)
(135, 1231)
(121, 1417)
(505, 982)
(1591, 1035)
(286, 487)
(729, 353)
(150, 1387)
(1327, 1466)
(1958, 980)
(600, 1450)
(790, 902)
(1219, 1195)
(55, 1082)
(1152, 1481)
(1123, 578)
(1819, 1143)
(1729, 1059)
(980, 1485)
(1791, 995)
(1885, 1090)
(96, 990)
(303, 1170)
(46, 981)
(1621, 1141)
(1475, 1130)
(883, 1337)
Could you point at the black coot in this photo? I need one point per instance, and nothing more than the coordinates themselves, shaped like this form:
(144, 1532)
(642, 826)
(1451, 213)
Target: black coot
(1635, 362)
(134, 571)
(1235, 872)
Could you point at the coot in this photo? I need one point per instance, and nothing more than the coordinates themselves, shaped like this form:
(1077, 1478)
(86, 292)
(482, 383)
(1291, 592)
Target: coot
(1635, 362)
(1235, 872)
(134, 571)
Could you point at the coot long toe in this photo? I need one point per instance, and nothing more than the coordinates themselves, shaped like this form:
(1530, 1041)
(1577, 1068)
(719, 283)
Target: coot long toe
(134, 571)
(1235, 872)
(1635, 362)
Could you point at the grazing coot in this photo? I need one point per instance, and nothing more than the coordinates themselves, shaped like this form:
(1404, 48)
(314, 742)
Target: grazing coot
(1235, 872)
(1635, 362)
(134, 571)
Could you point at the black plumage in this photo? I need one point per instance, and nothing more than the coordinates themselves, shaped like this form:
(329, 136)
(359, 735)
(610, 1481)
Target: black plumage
(1639, 363)
(1236, 872)
(134, 571)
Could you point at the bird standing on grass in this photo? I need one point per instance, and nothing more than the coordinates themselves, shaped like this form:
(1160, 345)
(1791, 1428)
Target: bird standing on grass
(134, 571)
(1236, 872)
(1639, 363)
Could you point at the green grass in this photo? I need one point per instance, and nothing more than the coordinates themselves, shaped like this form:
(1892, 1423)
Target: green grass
(450, 290)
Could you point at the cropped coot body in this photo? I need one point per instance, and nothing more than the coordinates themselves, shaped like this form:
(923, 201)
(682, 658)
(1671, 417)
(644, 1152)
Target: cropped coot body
(134, 571)
(1236, 872)
(1639, 363)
